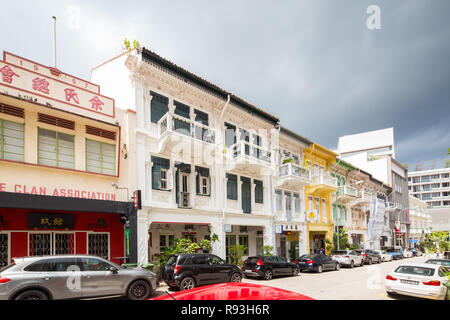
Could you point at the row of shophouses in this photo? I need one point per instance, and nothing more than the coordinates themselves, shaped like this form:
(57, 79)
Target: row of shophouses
(158, 154)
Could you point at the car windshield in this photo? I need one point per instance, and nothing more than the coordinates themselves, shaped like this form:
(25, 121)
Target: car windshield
(416, 270)
(305, 257)
(337, 252)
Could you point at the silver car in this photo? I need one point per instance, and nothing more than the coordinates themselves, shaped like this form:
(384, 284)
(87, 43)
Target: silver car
(73, 277)
(348, 258)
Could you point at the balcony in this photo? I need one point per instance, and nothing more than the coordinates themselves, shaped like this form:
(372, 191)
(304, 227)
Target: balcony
(176, 130)
(293, 177)
(346, 193)
(246, 156)
(363, 198)
(322, 183)
(391, 206)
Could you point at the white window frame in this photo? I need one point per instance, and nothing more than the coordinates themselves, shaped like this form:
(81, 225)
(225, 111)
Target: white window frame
(8, 254)
(52, 239)
(323, 203)
(164, 180)
(109, 242)
(204, 186)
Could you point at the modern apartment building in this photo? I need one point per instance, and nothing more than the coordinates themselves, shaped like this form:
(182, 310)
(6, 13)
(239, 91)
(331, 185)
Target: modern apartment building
(433, 187)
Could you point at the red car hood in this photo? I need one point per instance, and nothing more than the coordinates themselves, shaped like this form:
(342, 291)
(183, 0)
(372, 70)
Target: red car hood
(234, 291)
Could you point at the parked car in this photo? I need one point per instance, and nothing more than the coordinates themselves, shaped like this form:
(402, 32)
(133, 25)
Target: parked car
(370, 256)
(73, 277)
(349, 258)
(385, 257)
(423, 280)
(407, 253)
(442, 262)
(395, 253)
(317, 263)
(267, 267)
(234, 291)
(186, 271)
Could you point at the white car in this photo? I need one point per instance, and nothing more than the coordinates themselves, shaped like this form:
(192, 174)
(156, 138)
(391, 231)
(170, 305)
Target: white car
(422, 280)
(349, 258)
(407, 253)
(384, 255)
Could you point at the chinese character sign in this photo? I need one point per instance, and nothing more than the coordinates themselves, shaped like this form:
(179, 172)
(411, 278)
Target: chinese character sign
(40, 84)
(7, 74)
(50, 221)
(55, 92)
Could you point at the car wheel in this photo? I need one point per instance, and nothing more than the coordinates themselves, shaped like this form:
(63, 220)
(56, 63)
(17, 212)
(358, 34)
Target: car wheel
(268, 275)
(319, 269)
(337, 267)
(379, 260)
(352, 264)
(295, 271)
(370, 261)
(235, 277)
(32, 295)
(139, 290)
(389, 294)
(187, 283)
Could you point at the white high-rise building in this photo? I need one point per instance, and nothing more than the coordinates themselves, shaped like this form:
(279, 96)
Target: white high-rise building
(433, 187)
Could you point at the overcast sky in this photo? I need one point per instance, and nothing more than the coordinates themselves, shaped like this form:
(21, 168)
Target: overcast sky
(314, 64)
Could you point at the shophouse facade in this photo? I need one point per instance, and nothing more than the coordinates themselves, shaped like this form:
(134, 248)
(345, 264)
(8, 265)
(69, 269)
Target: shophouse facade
(59, 162)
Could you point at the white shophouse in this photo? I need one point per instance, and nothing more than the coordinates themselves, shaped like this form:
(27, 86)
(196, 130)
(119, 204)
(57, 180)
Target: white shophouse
(204, 158)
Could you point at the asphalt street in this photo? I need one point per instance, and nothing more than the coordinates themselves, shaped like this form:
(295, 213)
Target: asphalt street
(359, 283)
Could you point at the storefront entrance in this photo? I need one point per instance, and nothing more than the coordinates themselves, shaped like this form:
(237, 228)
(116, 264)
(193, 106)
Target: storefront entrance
(33, 225)
(317, 242)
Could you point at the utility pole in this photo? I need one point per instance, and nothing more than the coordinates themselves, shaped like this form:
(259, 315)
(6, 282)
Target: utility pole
(54, 41)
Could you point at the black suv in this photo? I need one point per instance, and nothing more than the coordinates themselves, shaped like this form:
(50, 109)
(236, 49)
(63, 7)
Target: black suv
(370, 256)
(186, 271)
(268, 266)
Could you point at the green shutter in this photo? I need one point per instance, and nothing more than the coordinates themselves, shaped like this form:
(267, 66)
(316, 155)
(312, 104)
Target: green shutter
(231, 187)
(159, 106)
(246, 195)
(259, 196)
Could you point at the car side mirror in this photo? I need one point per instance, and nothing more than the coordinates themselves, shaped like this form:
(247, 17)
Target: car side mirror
(113, 270)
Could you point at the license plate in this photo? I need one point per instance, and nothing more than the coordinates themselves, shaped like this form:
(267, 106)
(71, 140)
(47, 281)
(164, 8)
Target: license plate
(248, 271)
(410, 282)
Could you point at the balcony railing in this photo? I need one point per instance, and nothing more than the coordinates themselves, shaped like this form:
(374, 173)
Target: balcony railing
(347, 191)
(290, 169)
(325, 179)
(245, 148)
(181, 125)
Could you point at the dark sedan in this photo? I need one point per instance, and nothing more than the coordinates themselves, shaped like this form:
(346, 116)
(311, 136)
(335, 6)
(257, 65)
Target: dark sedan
(370, 256)
(267, 267)
(317, 263)
(186, 271)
